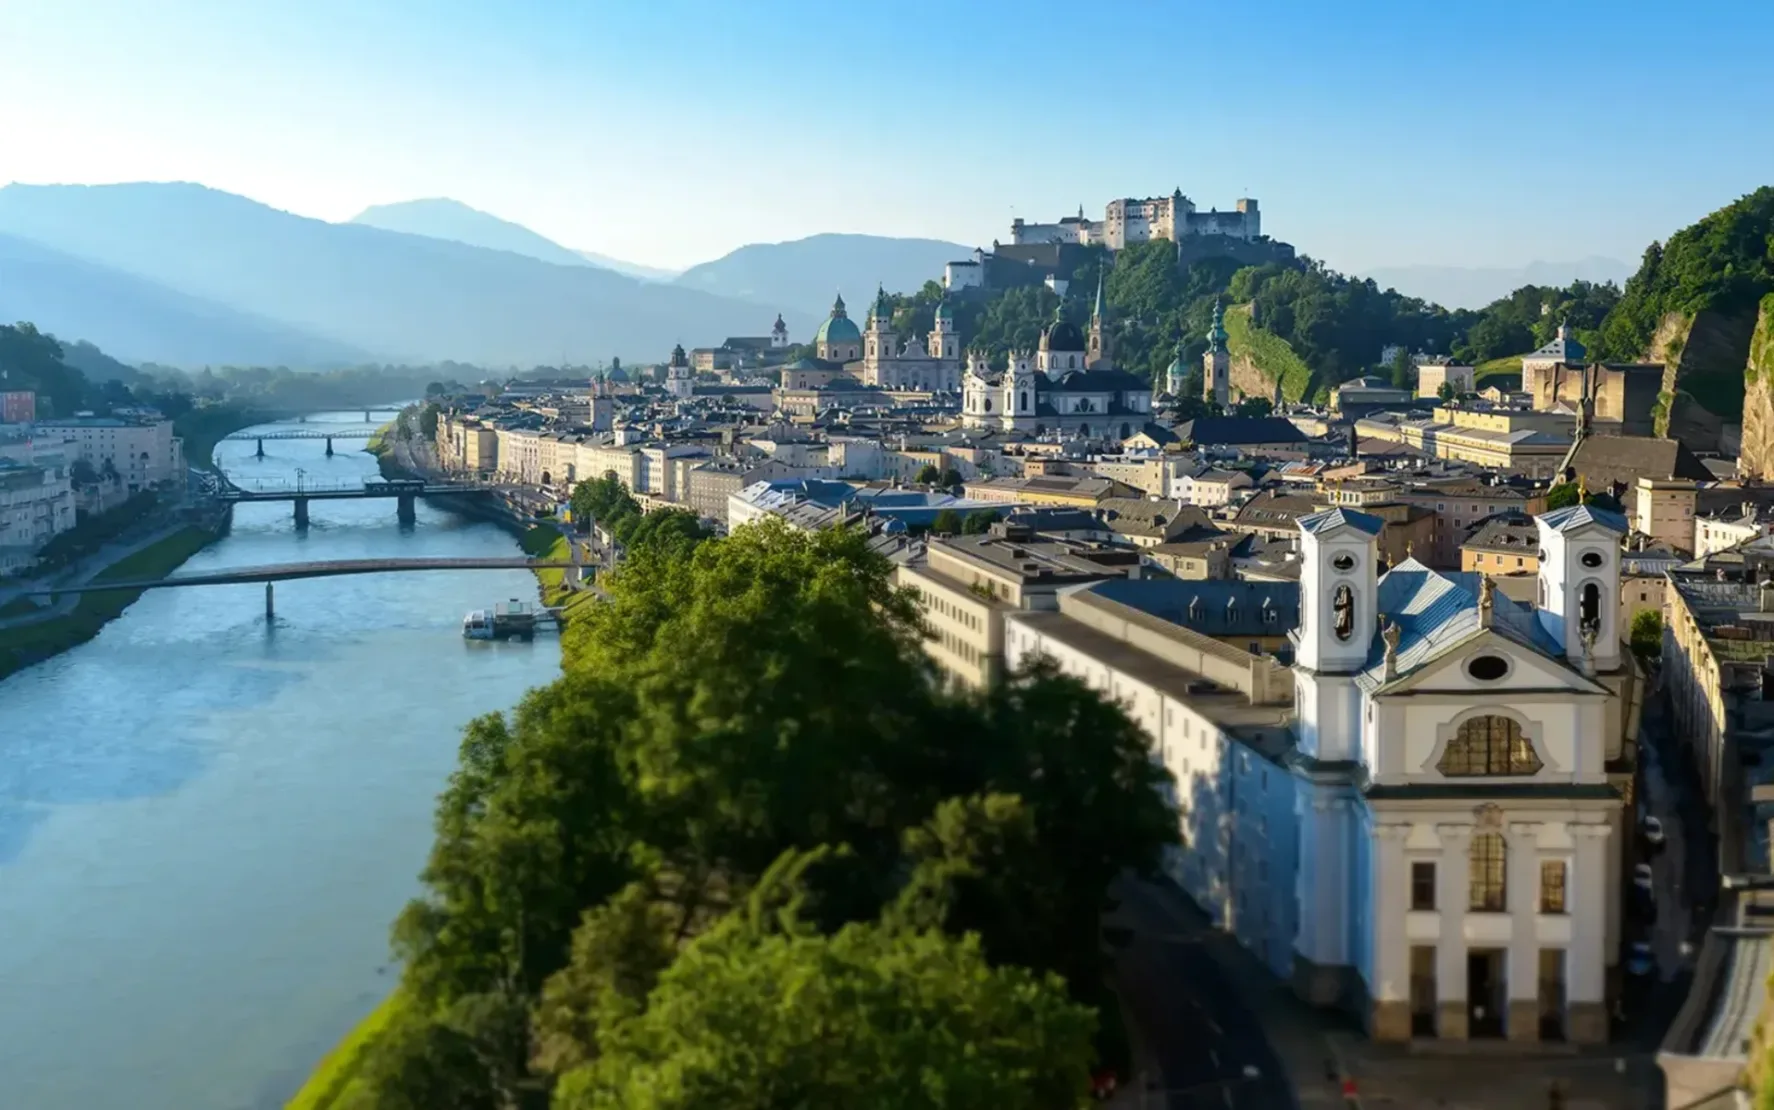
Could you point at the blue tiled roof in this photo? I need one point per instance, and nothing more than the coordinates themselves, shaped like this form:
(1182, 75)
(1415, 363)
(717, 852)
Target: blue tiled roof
(1333, 518)
(1575, 516)
(1437, 610)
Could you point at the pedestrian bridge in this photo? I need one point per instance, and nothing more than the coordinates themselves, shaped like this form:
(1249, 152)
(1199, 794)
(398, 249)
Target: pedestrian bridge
(306, 433)
(404, 492)
(283, 572)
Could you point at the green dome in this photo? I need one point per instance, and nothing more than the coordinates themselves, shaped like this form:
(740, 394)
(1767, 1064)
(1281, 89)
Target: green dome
(838, 327)
(943, 311)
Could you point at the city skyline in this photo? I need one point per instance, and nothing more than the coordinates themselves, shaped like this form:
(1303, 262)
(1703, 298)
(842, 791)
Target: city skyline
(670, 136)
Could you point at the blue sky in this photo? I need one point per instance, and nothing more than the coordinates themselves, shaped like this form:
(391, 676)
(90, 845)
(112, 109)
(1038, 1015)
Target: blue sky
(671, 131)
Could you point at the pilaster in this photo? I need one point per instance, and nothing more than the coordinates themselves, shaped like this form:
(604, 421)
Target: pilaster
(1452, 895)
(1523, 972)
(1585, 960)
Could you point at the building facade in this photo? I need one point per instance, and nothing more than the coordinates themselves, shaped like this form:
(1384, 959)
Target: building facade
(932, 367)
(142, 451)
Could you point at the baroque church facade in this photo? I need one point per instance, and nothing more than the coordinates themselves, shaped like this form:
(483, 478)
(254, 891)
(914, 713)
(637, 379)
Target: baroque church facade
(878, 358)
(1460, 774)
(1068, 385)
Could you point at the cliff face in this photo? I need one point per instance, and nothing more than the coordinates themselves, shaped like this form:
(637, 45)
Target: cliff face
(1703, 357)
(1757, 458)
(1262, 363)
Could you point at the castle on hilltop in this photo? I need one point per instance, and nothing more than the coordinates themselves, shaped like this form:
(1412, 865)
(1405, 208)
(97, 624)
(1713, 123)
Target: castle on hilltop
(1126, 220)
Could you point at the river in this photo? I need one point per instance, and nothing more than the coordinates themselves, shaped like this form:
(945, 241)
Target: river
(207, 823)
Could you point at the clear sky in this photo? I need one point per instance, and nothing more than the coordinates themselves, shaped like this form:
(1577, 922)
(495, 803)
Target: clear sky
(1377, 132)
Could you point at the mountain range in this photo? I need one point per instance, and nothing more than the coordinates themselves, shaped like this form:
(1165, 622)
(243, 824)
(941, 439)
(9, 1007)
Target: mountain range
(1475, 287)
(443, 218)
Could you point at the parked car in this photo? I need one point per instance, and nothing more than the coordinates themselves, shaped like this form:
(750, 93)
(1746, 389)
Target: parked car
(1652, 828)
(1641, 878)
(1640, 960)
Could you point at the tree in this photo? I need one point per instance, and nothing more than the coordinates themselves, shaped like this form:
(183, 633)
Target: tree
(1646, 636)
(951, 478)
(435, 389)
(928, 475)
(1404, 371)
(978, 523)
(766, 1012)
(1447, 392)
(1563, 495)
(1254, 406)
(428, 423)
(947, 523)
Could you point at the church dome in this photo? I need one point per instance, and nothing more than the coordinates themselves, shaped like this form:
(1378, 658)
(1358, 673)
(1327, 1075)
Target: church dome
(1062, 335)
(678, 357)
(838, 327)
(944, 311)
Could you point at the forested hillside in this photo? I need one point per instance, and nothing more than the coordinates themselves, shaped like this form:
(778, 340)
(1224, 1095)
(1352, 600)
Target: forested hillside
(1336, 326)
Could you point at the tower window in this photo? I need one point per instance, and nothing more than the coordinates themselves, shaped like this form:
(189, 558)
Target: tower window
(1590, 606)
(1343, 612)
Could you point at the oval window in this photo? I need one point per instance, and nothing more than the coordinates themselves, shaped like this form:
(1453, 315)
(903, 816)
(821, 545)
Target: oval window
(1488, 668)
(1592, 559)
(1344, 561)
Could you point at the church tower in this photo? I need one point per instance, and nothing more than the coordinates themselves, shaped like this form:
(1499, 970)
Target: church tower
(1175, 374)
(1096, 355)
(1216, 363)
(879, 341)
(945, 341)
(779, 334)
(679, 382)
(1579, 587)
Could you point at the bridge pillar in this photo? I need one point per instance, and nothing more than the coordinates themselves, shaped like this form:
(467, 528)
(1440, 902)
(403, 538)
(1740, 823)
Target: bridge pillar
(270, 606)
(404, 509)
(329, 447)
(301, 512)
(366, 416)
(260, 453)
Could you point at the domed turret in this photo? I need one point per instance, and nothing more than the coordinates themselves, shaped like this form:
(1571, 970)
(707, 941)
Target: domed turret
(1062, 334)
(944, 312)
(838, 338)
(678, 357)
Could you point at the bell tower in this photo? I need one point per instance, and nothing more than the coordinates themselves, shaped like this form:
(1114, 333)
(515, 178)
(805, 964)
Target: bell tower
(1096, 352)
(1339, 598)
(1216, 363)
(1579, 584)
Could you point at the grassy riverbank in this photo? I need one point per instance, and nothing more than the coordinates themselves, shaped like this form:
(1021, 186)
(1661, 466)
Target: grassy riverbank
(26, 644)
(330, 1084)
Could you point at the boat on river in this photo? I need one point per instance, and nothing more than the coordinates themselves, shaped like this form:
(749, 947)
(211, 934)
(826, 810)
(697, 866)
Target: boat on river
(504, 621)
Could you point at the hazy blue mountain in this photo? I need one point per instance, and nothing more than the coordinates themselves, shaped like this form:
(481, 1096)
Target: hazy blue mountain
(139, 321)
(805, 273)
(1475, 287)
(632, 269)
(442, 218)
(403, 297)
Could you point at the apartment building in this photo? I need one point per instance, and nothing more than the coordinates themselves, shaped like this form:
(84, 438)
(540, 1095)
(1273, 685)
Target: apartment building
(142, 450)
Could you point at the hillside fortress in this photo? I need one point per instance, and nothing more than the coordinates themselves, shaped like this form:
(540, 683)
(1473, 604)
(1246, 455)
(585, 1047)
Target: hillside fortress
(1127, 220)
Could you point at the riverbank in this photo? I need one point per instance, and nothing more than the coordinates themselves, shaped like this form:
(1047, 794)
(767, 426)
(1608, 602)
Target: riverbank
(334, 1079)
(26, 643)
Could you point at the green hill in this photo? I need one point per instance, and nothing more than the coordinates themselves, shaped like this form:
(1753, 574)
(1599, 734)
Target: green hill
(1269, 355)
(1504, 372)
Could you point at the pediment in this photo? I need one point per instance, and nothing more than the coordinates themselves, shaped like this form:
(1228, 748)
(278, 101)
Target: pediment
(1451, 671)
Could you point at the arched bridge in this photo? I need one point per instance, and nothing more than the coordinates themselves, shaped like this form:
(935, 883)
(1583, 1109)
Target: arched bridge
(331, 568)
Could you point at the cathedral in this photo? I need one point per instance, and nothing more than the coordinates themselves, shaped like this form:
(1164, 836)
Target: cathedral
(1069, 386)
(934, 367)
(1459, 779)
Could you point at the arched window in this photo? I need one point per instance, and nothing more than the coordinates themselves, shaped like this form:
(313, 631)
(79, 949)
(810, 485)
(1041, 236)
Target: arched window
(1488, 861)
(1022, 402)
(1589, 608)
(1343, 612)
(1489, 745)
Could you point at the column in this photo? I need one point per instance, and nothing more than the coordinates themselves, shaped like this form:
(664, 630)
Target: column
(301, 512)
(1452, 892)
(1586, 1013)
(1522, 1021)
(1389, 976)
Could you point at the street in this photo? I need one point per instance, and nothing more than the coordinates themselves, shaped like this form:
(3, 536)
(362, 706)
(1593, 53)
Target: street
(1192, 1025)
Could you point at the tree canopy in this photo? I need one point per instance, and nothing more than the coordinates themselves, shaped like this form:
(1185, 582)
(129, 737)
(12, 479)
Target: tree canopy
(737, 710)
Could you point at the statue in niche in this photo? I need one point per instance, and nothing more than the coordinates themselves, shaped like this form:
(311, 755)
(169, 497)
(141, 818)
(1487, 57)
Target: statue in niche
(1343, 612)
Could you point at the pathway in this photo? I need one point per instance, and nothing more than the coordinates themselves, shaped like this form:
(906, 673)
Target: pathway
(80, 574)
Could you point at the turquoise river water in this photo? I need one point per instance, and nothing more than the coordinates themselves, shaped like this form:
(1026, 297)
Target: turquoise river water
(207, 823)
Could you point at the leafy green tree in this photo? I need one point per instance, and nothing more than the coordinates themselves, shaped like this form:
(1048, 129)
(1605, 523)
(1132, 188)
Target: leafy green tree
(951, 478)
(435, 389)
(766, 1012)
(1447, 392)
(1562, 495)
(978, 523)
(928, 475)
(428, 423)
(1404, 370)
(1646, 636)
(1254, 406)
(947, 523)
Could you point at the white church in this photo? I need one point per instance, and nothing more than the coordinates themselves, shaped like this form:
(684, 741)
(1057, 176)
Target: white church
(1429, 833)
(1457, 820)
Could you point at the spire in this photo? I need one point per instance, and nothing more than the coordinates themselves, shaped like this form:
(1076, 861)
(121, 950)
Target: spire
(1216, 334)
(838, 307)
(1097, 312)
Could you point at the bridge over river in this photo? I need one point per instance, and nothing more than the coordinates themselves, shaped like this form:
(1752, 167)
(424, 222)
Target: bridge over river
(403, 491)
(285, 572)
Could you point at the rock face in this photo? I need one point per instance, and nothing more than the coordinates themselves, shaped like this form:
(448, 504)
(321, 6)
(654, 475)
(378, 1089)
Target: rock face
(1757, 457)
(1703, 357)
